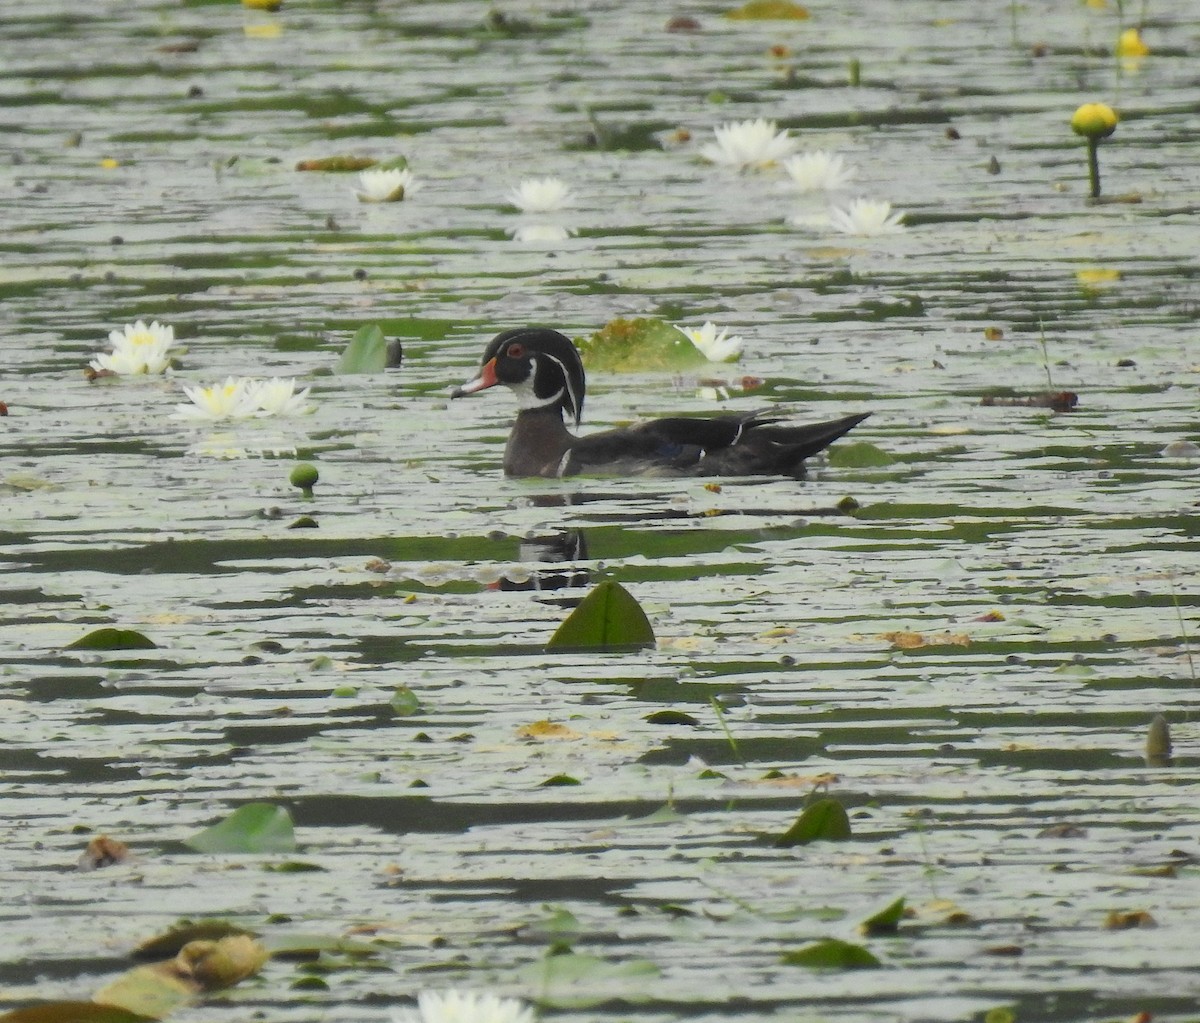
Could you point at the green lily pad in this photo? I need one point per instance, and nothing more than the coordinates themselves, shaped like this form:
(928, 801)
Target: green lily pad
(859, 455)
(253, 828)
(113, 639)
(72, 1012)
(367, 352)
(832, 954)
(608, 617)
(640, 346)
(823, 821)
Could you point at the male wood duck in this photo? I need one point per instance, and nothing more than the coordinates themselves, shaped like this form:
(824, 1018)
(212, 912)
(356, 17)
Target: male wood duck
(543, 369)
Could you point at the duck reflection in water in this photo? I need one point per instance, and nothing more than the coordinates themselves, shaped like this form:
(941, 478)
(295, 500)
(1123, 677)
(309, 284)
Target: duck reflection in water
(539, 551)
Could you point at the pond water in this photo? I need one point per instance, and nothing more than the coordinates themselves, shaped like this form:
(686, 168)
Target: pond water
(969, 662)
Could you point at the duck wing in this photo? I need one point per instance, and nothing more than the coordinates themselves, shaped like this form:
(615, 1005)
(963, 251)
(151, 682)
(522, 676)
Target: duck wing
(745, 444)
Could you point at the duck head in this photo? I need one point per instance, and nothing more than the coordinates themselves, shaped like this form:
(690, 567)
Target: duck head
(541, 367)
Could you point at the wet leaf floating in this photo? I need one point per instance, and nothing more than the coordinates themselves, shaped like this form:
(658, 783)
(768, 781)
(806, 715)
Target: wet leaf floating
(367, 352)
(832, 954)
(824, 821)
(608, 617)
(570, 980)
(769, 10)
(404, 702)
(642, 345)
(253, 828)
(886, 921)
(73, 1012)
(113, 639)
(157, 989)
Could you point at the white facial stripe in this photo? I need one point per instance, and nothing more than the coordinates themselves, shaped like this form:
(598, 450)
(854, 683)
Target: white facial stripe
(570, 389)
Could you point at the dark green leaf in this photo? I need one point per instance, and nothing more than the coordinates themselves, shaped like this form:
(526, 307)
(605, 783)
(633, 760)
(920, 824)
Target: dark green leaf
(824, 821)
(886, 921)
(253, 828)
(293, 867)
(609, 616)
(366, 352)
(560, 779)
(832, 954)
(113, 639)
(671, 717)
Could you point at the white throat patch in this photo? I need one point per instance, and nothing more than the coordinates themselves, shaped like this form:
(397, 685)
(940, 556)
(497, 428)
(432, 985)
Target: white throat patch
(526, 399)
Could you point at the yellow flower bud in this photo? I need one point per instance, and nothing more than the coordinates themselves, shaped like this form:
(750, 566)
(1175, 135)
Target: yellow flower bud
(1094, 121)
(1130, 44)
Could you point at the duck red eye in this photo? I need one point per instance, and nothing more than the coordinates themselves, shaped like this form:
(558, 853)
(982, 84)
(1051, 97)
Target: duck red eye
(516, 351)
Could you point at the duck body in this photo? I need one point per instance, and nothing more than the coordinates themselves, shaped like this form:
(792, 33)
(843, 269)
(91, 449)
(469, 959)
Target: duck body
(543, 369)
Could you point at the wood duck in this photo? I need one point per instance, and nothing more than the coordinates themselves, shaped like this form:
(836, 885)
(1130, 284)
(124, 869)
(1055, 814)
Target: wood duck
(543, 369)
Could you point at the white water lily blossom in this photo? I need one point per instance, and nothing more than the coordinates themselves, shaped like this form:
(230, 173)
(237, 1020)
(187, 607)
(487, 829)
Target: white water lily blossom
(867, 217)
(137, 348)
(540, 195)
(278, 397)
(242, 398)
(820, 171)
(749, 144)
(386, 185)
(715, 347)
(464, 1007)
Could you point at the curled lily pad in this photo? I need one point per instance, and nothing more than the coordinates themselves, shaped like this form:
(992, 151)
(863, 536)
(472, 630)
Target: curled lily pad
(253, 828)
(113, 639)
(609, 616)
(640, 346)
(823, 821)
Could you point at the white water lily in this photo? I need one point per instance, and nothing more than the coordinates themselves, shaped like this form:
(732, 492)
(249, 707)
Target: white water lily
(540, 195)
(746, 144)
(867, 217)
(535, 233)
(464, 1007)
(820, 171)
(137, 348)
(242, 398)
(715, 347)
(278, 397)
(386, 185)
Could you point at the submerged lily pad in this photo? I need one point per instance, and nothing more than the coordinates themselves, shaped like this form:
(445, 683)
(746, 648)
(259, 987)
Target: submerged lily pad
(253, 828)
(609, 617)
(640, 346)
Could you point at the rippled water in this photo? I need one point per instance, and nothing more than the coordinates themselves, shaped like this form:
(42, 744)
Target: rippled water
(994, 775)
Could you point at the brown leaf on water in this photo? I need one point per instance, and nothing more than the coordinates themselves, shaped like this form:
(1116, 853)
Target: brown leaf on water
(1118, 921)
(1059, 401)
(1063, 831)
(1011, 951)
(337, 164)
(102, 851)
(916, 640)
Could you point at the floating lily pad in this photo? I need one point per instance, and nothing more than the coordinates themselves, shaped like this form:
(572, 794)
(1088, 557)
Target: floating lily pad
(824, 821)
(367, 352)
(859, 455)
(253, 828)
(609, 617)
(832, 954)
(113, 639)
(640, 346)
